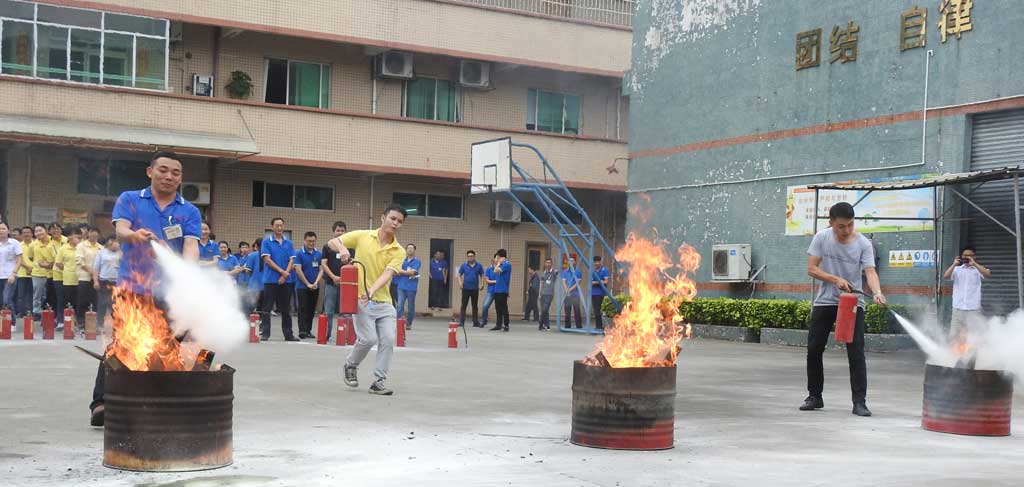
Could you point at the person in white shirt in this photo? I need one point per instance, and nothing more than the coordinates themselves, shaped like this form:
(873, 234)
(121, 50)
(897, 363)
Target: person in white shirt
(10, 255)
(966, 273)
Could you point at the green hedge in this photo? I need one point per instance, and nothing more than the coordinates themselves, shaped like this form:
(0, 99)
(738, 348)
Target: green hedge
(765, 313)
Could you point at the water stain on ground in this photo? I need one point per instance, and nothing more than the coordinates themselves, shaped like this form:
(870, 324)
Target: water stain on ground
(18, 456)
(215, 481)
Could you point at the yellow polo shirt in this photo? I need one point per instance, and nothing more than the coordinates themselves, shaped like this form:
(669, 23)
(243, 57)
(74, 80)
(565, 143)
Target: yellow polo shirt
(27, 258)
(39, 254)
(375, 259)
(66, 257)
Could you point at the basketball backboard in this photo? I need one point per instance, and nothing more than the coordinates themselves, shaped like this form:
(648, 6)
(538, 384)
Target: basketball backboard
(491, 166)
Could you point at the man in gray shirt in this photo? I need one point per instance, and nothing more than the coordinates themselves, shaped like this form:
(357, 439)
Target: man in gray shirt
(548, 278)
(838, 256)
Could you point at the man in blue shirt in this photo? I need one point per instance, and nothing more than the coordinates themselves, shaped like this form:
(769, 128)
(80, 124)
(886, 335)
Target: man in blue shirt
(160, 213)
(571, 278)
(278, 256)
(408, 281)
(469, 281)
(437, 297)
(308, 274)
(598, 276)
(503, 280)
(489, 276)
(208, 249)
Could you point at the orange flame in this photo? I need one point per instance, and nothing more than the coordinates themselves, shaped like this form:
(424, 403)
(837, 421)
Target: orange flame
(142, 339)
(646, 333)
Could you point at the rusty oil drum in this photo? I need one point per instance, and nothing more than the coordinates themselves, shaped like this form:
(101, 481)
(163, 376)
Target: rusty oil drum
(967, 401)
(168, 421)
(624, 408)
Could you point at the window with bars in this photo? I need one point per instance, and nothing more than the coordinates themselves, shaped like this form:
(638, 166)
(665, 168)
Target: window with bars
(548, 111)
(432, 99)
(431, 205)
(298, 83)
(111, 177)
(296, 196)
(81, 45)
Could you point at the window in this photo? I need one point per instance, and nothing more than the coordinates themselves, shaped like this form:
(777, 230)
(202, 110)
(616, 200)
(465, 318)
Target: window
(105, 177)
(432, 99)
(84, 46)
(298, 83)
(552, 112)
(265, 194)
(431, 205)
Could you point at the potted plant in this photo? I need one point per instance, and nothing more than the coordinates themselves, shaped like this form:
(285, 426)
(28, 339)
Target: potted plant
(240, 86)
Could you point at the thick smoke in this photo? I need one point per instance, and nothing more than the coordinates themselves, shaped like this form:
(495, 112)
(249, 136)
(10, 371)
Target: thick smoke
(202, 301)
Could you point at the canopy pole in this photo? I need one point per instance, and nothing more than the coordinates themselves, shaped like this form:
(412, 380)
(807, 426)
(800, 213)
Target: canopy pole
(813, 233)
(1016, 221)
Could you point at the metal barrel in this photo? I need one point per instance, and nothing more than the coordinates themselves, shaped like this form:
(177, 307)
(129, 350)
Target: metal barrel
(168, 421)
(967, 401)
(624, 408)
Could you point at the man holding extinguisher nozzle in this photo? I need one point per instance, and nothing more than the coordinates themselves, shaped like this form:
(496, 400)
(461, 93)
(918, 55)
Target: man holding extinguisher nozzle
(380, 256)
(837, 257)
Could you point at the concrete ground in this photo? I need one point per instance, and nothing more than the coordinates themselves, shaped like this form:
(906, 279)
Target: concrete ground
(498, 413)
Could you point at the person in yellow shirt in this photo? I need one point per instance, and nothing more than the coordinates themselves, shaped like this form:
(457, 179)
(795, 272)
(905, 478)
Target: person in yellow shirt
(67, 286)
(381, 257)
(42, 253)
(57, 234)
(23, 293)
(85, 254)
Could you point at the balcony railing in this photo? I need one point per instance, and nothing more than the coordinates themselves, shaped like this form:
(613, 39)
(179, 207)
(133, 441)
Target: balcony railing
(614, 12)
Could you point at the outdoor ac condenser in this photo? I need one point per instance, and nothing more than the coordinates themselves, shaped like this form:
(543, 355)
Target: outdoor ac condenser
(730, 262)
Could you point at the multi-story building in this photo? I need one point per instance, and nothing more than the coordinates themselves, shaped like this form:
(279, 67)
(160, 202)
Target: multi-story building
(314, 111)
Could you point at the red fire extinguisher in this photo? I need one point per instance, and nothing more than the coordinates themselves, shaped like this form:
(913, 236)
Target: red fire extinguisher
(348, 301)
(350, 331)
(453, 334)
(69, 323)
(49, 323)
(400, 333)
(28, 333)
(846, 317)
(254, 319)
(341, 333)
(90, 324)
(321, 329)
(5, 324)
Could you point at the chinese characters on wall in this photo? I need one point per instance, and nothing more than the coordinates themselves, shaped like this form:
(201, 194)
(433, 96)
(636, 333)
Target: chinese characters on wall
(955, 20)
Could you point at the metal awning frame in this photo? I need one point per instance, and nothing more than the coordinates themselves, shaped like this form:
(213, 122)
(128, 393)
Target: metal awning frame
(939, 185)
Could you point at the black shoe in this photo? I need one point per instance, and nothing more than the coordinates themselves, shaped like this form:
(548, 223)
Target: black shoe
(496, 328)
(350, 376)
(291, 339)
(263, 339)
(476, 325)
(812, 403)
(505, 329)
(861, 409)
(378, 388)
(97, 416)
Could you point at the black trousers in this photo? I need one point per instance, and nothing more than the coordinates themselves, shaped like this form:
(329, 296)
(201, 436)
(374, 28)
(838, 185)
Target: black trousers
(571, 303)
(23, 296)
(307, 309)
(531, 305)
(822, 319)
(545, 310)
(595, 305)
(281, 295)
(85, 298)
(501, 310)
(437, 295)
(469, 296)
(51, 294)
(70, 300)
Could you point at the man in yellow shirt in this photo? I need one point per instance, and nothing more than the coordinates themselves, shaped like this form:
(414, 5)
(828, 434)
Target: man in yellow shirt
(23, 293)
(67, 287)
(85, 254)
(42, 253)
(57, 234)
(381, 257)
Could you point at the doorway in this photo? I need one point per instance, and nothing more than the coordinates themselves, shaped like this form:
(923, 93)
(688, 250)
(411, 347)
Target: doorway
(439, 297)
(536, 253)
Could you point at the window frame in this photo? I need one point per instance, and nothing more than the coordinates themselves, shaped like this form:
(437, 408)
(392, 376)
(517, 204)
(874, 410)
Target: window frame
(288, 81)
(265, 183)
(536, 110)
(457, 95)
(108, 162)
(35, 23)
(426, 204)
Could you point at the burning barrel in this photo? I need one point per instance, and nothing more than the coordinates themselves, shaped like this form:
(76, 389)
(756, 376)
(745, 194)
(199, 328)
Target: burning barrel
(966, 401)
(170, 421)
(629, 408)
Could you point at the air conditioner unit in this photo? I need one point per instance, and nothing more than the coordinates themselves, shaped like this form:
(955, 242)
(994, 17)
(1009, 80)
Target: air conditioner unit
(202, 85)
(507, 211)
(474, 74)
(393, 64)
(196, 193)
(730, 262)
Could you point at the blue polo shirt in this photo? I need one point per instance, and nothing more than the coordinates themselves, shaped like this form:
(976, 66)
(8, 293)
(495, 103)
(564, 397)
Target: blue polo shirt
(471, 275)
(489, 274)
(279, 252)
(407, 283)
(437, 268)
(227, 264)
(504, 278)
(570, 277)
(208, 251)
(242, 278)
(308, 262)
(252, 262)
(598, 275)
(139, 270)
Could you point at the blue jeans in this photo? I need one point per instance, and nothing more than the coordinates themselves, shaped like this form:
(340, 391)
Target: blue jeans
(487, 307)
(330, 304)
(406, 301)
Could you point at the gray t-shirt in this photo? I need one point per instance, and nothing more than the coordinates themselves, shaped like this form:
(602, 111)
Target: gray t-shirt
(547, 282)
(847, 261)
